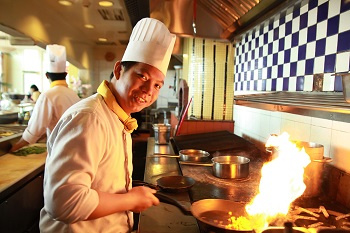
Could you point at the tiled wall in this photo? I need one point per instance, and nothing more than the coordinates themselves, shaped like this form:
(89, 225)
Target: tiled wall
(282, 54)
(208, 68)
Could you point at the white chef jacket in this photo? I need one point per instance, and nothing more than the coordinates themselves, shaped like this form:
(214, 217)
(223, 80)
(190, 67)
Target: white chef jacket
(88, 150)
(47, 111)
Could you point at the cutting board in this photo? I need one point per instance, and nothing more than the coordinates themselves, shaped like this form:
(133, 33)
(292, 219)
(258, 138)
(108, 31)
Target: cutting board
(14, 168)
(212, 142)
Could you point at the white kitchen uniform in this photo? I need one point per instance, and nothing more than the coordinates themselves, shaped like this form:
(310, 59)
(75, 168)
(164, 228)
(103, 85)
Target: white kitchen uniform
(48, 109)
(89, 150)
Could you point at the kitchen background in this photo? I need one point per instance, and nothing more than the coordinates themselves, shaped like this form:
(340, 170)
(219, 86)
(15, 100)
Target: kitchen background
(280, 53)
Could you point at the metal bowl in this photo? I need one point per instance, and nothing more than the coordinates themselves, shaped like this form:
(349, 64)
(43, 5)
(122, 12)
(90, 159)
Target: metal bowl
(194, 155)
(231, 167)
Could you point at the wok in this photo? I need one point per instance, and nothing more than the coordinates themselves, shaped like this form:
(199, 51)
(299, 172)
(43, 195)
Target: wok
(212, 214)
(173, 184)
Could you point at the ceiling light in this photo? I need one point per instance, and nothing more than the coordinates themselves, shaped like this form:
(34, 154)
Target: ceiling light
(105, 3)
(102, 39)
(65, 2)
(89, 26)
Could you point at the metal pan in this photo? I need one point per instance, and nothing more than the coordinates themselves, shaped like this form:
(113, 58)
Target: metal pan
(230, 167)
(227, 167)
(194, 155)
(173, 184)
(212, 214)
(187, 155)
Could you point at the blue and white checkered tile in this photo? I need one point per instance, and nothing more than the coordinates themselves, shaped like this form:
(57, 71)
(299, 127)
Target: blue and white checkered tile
(285, 51)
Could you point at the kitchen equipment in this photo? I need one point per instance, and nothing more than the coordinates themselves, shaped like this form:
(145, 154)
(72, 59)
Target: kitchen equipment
(191, 155)
(231, 167)
(346, 86)
(182, 117)
(227, 167)
(173, 184)
(314, 170)
(194, 155)
(212, 142)
(213, 215)
(161, 133)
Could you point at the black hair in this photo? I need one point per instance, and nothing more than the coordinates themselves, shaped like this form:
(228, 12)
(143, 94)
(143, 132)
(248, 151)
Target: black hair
(34, 87)
(57, 76)
(126, 64)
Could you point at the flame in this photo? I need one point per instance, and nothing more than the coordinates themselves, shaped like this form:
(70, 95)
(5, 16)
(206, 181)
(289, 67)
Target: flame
(281, 181)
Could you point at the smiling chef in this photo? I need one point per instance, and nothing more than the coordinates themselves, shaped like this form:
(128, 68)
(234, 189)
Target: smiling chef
(87, 183)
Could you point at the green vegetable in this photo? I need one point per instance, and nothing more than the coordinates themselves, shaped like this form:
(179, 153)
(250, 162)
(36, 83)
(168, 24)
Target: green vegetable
(30, 150)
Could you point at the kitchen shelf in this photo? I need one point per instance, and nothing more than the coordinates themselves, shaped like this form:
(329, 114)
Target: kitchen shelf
(326, 105)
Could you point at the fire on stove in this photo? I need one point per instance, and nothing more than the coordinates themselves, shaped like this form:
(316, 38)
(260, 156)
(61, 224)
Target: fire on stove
(282, 182)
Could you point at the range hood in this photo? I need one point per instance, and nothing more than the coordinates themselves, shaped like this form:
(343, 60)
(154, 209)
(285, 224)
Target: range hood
(213, 19)
(326, 105)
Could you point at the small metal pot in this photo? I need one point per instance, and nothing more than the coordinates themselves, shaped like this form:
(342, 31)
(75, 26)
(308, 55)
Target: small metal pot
(230, 167)
(194, 155)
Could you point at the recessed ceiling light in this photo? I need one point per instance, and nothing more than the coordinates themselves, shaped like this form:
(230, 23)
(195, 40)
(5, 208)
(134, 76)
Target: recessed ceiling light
(65, 2)
(89, 26)
(105, 3)
(102, 39)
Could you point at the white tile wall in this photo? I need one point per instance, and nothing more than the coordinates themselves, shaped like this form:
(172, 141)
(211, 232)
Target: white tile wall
(256, 125)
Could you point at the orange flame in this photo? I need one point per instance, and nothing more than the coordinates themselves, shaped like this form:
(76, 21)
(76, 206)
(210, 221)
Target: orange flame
(281, 181)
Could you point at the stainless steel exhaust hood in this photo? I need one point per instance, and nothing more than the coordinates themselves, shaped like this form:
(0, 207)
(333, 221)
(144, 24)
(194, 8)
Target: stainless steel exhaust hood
(214, 19)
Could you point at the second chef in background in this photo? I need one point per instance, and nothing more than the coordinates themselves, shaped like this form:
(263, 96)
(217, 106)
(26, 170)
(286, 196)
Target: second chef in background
(52, 103)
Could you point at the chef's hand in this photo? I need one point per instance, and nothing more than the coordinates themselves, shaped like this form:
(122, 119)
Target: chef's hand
(18, 145)
(143, 198)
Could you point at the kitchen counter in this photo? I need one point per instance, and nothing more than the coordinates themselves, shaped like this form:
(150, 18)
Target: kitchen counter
(17, 170)
(21, 191)
(165, 217)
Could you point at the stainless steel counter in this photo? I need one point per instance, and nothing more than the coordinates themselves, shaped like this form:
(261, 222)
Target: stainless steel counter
(165, 217)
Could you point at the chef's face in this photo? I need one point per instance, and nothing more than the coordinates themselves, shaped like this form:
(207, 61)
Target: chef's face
(137, 87)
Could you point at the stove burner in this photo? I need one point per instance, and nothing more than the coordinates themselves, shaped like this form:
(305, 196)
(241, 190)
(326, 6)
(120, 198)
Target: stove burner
(319, 218)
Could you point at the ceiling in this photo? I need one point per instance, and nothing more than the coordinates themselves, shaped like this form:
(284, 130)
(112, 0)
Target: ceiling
(219, 19)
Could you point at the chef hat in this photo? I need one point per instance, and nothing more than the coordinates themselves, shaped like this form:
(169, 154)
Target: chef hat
(151, 43)
(56, 58)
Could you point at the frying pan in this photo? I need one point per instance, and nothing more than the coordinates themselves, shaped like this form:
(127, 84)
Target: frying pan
(172, 184)
(212, 214)
(190, 155)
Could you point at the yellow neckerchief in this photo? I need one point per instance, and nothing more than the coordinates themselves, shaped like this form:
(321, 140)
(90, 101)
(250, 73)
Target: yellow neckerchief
(130, 124)
(59, 83)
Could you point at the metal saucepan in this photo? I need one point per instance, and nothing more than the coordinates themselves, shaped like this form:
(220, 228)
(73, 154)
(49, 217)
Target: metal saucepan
(231, 166)
(190, 155)
(213, 215)
(228, 166)
(173, 184)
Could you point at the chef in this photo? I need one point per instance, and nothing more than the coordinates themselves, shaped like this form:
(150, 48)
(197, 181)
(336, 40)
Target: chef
(88, 183)
(51, 104)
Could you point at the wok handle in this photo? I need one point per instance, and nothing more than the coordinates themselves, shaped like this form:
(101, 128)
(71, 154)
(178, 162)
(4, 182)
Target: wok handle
(143, 183)
(166, 199)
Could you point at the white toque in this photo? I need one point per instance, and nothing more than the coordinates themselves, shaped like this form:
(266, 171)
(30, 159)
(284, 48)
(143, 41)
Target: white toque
(56, 58)
(152, 43)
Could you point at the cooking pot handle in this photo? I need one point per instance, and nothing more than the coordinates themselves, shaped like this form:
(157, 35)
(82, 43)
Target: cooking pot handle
(166, 199)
